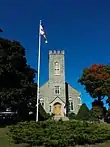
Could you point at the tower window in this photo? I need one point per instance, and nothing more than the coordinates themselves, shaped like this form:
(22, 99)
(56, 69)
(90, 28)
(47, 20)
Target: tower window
(57, 69)
(57, 89)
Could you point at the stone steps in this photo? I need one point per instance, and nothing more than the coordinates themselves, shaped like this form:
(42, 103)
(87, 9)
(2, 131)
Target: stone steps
(58, 117)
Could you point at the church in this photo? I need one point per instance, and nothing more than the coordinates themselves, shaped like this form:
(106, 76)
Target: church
(56, 96)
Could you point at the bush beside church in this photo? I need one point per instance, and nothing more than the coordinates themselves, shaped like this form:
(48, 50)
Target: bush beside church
(96, 113)
(59, 133)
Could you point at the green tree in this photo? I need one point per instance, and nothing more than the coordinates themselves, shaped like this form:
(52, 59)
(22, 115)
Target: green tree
(17, 86)
(83, 113)
(42, 114)
(99, 109)
(93, 115)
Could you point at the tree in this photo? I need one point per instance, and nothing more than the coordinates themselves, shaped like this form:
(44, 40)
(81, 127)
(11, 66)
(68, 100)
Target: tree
(83, 113)
(42, 115)
(96, 80)
(93, 116)
(17, 86)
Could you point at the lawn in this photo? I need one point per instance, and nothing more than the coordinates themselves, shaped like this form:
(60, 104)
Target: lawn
(5, 143)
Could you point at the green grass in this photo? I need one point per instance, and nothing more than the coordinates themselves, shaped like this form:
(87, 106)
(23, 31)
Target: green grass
(5, 143)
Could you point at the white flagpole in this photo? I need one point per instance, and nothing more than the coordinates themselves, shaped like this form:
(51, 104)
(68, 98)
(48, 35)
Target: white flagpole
(38, 90)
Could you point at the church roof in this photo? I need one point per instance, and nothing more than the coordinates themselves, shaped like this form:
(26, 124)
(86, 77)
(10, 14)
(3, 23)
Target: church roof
(44, 84)
(73, 89)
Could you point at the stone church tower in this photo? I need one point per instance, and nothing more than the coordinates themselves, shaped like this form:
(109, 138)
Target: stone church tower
(56, 96)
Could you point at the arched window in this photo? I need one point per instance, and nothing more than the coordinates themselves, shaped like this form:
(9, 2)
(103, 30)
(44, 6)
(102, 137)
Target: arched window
(57, 68)
(71, 105)
(50, 108)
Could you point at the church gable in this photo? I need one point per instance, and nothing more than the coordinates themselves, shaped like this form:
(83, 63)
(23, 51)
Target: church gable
(57, 99)
(58, 107)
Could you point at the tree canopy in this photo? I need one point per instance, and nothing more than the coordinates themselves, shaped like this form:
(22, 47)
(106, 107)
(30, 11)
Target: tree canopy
(17, 86)
(96, 80)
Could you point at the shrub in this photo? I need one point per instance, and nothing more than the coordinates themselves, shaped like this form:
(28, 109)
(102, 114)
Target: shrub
(42, 114)
(58, 133)
(83, 113)
(72, 116)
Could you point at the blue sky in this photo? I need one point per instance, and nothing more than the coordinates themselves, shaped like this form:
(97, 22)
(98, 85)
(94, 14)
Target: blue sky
(80, 27)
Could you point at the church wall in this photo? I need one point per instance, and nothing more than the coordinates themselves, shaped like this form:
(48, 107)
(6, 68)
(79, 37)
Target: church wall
(52, 94)
(44, 93)
(75, 96)
(47, 91)
(56, 80)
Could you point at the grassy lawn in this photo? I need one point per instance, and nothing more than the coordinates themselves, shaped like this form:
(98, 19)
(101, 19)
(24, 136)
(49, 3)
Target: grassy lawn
(4, 139)
(5, 143)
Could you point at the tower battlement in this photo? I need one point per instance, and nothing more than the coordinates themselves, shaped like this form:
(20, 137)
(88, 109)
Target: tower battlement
(56, 52)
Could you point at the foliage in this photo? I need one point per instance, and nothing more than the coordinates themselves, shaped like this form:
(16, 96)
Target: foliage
(17, 87)
(59, 133)
(72, 116)
(83, 113)
(108, 101)
(97, 103)
(99, 109)
(93, 116)
(109, 110)
(96, 80)
(42, 114)
(5, 142)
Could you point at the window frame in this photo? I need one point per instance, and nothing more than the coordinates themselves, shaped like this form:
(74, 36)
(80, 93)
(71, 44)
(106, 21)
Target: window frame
(57, 90)
(71, 104)
(56, 68)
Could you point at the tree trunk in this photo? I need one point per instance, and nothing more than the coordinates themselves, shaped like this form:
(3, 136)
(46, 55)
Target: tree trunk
(99, 98)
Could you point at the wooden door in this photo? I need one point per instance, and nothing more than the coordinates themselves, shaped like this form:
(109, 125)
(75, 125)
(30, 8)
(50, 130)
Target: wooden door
(57, 109)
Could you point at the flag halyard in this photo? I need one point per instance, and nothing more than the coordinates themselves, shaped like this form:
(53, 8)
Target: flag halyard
(42, 33)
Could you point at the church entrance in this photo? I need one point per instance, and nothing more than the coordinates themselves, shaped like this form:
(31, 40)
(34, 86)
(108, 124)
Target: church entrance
(57, 109)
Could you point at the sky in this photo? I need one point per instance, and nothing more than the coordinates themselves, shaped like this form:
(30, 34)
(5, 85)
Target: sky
(79, 27)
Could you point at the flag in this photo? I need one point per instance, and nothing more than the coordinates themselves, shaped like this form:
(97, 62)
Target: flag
(42, 33)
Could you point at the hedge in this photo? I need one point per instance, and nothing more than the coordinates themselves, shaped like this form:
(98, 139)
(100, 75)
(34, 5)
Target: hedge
(59, 133)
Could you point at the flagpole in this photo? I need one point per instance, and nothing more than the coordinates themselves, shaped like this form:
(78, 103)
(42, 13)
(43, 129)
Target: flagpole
(38, 88)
